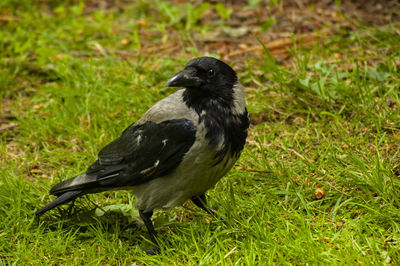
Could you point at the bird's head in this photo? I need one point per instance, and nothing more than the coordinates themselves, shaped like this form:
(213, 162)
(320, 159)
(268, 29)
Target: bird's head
(206, 77)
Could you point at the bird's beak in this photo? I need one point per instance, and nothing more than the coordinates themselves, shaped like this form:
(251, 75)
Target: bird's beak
(185, 78)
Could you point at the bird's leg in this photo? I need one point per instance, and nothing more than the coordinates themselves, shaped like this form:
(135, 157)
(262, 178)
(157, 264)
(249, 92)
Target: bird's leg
(201, 202)
(146, 217)
(70, 208)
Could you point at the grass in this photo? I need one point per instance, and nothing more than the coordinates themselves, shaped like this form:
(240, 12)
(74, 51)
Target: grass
(318, 182)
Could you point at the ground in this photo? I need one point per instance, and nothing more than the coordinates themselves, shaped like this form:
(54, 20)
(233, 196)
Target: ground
(317, 183)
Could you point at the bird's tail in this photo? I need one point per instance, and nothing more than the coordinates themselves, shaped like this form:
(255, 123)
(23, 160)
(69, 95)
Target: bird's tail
(62, 199)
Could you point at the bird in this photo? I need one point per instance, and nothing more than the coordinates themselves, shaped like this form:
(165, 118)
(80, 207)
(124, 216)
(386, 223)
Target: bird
(180, 148)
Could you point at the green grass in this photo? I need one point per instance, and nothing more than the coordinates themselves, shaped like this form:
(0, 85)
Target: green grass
(328, 121)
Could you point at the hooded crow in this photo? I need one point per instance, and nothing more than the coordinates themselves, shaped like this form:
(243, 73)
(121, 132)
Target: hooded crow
(178, 150)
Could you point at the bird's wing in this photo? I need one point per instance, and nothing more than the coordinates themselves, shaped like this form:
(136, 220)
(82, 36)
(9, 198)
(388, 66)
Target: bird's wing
(143, 152)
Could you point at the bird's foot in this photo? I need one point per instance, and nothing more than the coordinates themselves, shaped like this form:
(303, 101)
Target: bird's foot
(152, 251)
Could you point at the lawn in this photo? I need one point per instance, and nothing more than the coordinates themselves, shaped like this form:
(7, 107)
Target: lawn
(317, 183)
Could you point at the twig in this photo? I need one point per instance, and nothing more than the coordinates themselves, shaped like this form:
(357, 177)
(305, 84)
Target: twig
(227, 254)
(254, 170)
(265, 172)
(8, 126)
(280, 44)
(8, 18)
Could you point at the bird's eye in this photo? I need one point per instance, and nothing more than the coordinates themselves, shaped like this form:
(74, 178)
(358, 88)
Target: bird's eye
(211, 73)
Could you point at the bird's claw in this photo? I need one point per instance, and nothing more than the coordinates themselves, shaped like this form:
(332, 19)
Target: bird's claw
(152, 251)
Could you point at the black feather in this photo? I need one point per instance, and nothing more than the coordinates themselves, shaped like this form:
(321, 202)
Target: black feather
(143, 152)
(64, 198)
(220, 124)
(213, 102)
